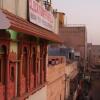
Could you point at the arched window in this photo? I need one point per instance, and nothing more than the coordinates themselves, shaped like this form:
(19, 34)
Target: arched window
(25, 59)
(3, 64)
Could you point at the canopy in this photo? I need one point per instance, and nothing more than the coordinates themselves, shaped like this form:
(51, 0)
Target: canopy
(9, 20)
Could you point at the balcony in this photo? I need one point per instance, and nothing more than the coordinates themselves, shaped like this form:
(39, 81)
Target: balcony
(58, 64)
(56, 68)
(71, 70)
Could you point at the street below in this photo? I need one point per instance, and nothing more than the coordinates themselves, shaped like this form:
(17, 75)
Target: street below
(95, 90)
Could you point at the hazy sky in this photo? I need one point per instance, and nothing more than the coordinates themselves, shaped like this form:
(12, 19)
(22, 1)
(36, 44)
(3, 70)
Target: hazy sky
(82, 12)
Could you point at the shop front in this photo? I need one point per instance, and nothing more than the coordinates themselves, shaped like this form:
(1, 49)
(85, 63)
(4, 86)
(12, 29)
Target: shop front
(23, 53)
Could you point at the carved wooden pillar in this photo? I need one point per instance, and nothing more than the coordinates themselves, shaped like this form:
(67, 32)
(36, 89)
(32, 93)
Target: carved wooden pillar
(45, 61)
(6, 87)
(35, 68)
(41, 70)
(27, 77)
(32, 70)
(7, 77)
(11, 72)
(4, 42)
(41, 63)
(20, 57)
(25, 67)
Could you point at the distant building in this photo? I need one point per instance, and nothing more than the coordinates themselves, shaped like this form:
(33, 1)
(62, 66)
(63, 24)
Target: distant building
(59, 20)
(94, 60)
(75, 37)
(62, 51)
(95, 55)
(89, 52)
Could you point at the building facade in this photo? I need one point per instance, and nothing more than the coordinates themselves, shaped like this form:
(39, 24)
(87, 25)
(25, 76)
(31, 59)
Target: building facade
(75, 37)
(23, 49)
(59, 20)
(56, 78)
(71, 72)
(95, 55)
(94, 60)
(62, 78)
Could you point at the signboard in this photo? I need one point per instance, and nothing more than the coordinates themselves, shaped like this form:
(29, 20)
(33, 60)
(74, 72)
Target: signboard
(40, 16)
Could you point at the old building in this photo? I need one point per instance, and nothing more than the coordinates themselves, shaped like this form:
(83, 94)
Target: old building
(71, 72)
(72, 53)
(24, 37)
(94, 60)
(62, 78)
(75, 37)
(89, 51)
(95, 55)
(59, 20)
(57, 72)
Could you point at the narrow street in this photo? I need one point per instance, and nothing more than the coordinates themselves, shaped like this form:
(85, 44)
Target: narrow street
(95, 90)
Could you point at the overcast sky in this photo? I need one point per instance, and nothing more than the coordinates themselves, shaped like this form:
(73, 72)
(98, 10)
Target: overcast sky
(82, 12)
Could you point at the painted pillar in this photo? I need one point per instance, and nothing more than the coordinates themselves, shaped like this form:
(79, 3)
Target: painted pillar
(20, 58)
(11, 66)
(7, 76)
(45, 62)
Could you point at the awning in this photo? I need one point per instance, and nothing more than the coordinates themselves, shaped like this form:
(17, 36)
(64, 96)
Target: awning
(4, 22)
(20, 25)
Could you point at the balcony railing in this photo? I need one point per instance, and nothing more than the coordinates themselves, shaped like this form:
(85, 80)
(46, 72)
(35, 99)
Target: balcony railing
(71, 70)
